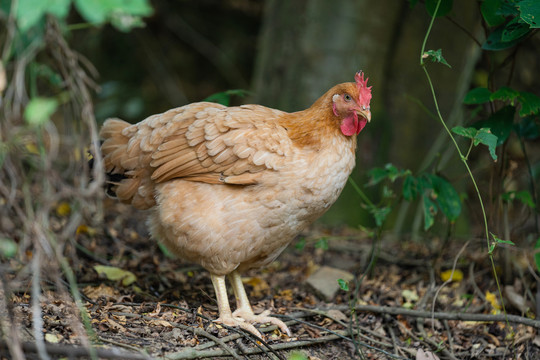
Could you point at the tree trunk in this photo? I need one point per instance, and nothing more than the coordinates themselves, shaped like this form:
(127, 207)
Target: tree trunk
(306, 47)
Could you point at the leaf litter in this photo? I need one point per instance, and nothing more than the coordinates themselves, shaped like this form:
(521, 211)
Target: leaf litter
(167, 306)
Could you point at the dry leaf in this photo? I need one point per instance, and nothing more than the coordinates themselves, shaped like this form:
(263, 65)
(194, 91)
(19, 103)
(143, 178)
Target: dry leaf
(114, 273)
(63, 209)
(53, 338)
(447, 275)
(260, 286)
(425, 355)
(337, 315)
(102, 290)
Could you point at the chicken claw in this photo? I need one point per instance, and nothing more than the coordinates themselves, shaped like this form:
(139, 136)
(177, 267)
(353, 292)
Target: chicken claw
(243, 317)
(238, 322)
(262, 318)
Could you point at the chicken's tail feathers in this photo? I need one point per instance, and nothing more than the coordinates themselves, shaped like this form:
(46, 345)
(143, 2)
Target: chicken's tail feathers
(125, 179)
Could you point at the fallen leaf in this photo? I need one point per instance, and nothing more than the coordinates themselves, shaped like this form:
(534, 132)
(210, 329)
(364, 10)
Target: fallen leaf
(102, 290)
(517, 300)
(53, 338)
(260, 286)
(84, 229)
(63, 209)
(114, 273)
(492, 299)
(425, 355)
(158, 322)
(337, 315)
(447, 275)
(410, 296)
(113, 325)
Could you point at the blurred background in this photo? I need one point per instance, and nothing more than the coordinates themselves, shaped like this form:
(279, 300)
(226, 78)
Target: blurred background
(67, 65)
(151, 56)
(287, 54)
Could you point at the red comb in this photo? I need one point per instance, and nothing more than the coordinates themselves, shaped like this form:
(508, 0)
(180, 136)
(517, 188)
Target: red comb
(363, 90)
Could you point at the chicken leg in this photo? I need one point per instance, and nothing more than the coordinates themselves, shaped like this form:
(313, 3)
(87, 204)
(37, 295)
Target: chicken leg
(243, 317)
(243, 307)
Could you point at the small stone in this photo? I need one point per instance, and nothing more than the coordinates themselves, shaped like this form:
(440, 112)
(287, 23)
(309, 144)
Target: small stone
(325, 281)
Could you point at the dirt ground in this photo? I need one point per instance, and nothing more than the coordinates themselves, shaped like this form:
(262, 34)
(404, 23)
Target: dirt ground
(162, 307)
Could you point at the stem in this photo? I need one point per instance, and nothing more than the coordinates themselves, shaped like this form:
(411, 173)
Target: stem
(463, 159)
(361, 193)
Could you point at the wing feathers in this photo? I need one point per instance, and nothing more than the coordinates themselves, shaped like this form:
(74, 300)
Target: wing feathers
(199, 142)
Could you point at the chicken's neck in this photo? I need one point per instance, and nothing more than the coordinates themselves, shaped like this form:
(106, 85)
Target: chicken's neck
(316, 127)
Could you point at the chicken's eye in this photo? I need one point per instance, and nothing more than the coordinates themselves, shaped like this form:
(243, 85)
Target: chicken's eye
(347, 97)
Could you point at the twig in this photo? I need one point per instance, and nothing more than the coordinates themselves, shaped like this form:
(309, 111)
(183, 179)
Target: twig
(77, 351)
(443, 315)
(196, 331)
(447, 281)
(117, 343)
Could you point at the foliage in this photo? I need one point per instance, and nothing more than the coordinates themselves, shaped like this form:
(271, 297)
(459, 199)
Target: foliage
(47, 186)
(122, 14)
(435, 192)
(224, 98)
(436, 56)
(509, 23)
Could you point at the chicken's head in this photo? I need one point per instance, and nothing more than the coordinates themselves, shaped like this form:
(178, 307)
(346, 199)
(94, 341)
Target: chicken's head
(351, 105)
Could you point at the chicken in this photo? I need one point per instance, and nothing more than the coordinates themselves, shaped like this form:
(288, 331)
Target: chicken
(230, 187)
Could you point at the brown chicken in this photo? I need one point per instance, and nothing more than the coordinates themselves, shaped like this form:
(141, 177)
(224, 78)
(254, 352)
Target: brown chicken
(230, 187)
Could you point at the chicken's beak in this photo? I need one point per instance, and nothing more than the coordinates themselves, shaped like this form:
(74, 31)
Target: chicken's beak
(365, 113)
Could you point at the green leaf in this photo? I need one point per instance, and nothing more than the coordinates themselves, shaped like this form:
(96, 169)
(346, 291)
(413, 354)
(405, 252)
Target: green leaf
(447, 197)
(297, 355)
(343, 285)
(115, 274)
(490, 12)
(537, 254)
(30, 12)
(410, 190)
(477, 96)
(501, 241)
(500, 123)
(322, 243)
(444, 8)
(530, 103)
(479, 136)
(436, 56)
(8, 248)
(485, 137)
(524, 196)
(388, 172)
(380, 214)
(530, 12)
(301, 244)
(430, 210)
(465, 132)
(505, 94)
(224, 98)
(495, 39)
(39, 110)
(165, 250)
(515, 29)
(117, 11)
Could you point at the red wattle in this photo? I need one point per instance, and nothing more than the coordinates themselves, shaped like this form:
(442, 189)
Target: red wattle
(352, 125)
(349, 126)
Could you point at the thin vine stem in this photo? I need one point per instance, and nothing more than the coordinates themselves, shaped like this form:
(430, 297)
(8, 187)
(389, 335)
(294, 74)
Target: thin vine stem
(463, 159)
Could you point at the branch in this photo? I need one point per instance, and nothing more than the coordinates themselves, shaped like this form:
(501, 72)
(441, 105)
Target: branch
(78, 351)
(442, 315)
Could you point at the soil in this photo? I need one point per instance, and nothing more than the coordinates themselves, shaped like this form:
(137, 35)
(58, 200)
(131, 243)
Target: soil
(165, 307)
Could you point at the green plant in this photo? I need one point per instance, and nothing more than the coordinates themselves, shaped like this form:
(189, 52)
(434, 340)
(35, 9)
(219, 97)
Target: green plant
(47, 123)
(514, 21)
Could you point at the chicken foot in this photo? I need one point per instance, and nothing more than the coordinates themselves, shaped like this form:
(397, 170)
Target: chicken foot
(243, 317)
(244, 309)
